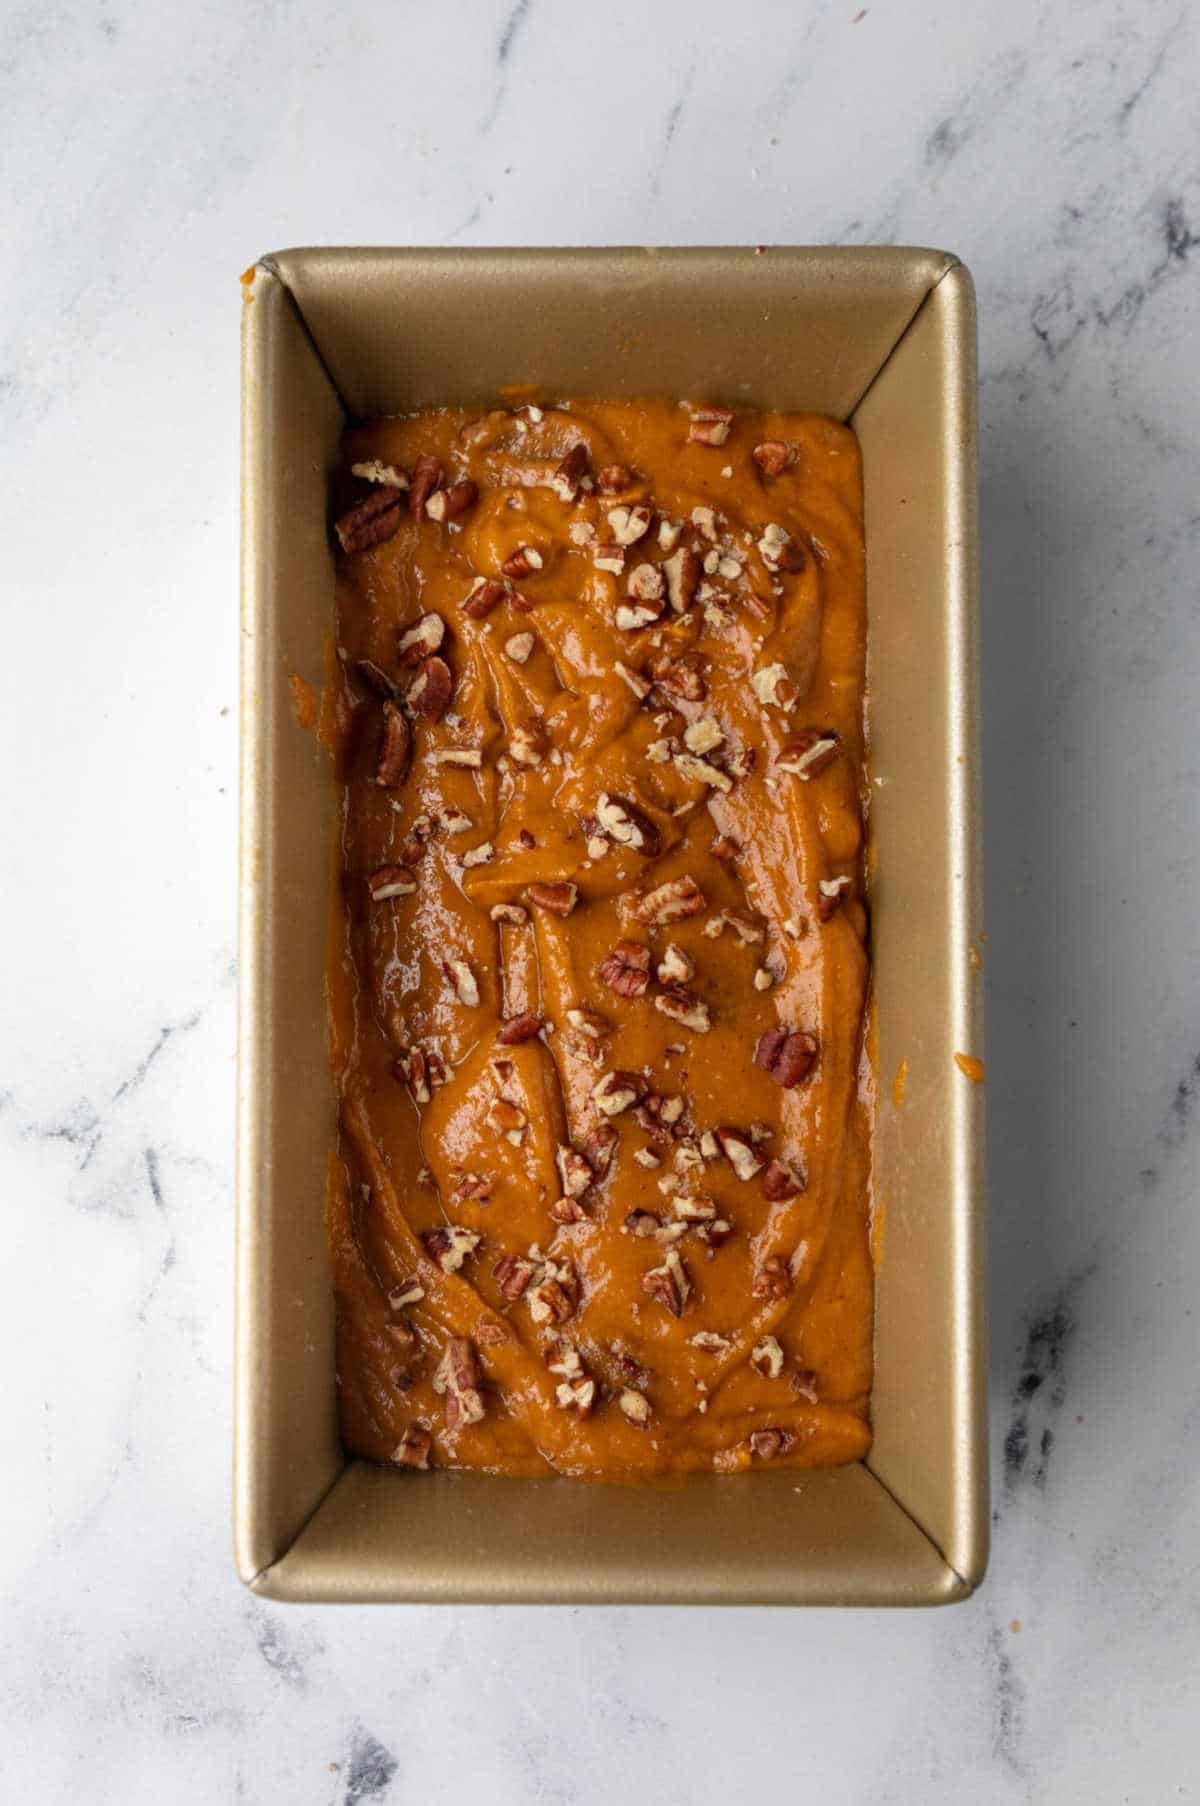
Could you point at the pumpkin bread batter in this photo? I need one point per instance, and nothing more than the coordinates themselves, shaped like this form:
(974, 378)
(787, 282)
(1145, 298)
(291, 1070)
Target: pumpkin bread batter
(598, 979)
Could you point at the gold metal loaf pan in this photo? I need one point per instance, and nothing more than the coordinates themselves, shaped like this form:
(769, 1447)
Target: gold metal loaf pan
(883, 338)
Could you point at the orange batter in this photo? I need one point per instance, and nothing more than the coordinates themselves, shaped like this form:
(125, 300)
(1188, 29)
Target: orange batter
(599, 973)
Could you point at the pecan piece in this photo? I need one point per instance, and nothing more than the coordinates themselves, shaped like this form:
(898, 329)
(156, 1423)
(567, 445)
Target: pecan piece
(391, 881)
(519, 647)
(633, 1406)
(788, 1055)
(567, 1211)
(767, 1358)
(617, 1091)
(425, 478)
(421, 1070)
(780, 1180)
(738, 1149)
(774, 456)
(675, 967)
(808, 753)
(422, 639)
(710, 425)
(413, 1448)
(457, 1377)
(448, 504)
(376, 518)
(683, 578)
(831, 893)
(375, 471)
(628, 525)
(626, 969)
(576, 1395)
(645, 583)
(608, 557)
(558, 895)
(529, 743)
(450, 1245)
(773, 686)
(518, 1029)
(430, 690)
(671, 902)
(804, 1384)
(519, 563)
(750, 928)
(779, 550)
(574, 1170)
(631, 617)
(766, 1443)
(462, 981)
(512, 1273)
(612, 478)
(395, 749)
(599, 1148)
(571, 474)
(374, 677)
(485, 594)
(669, 1284)
(642, 1223)
(773, 1279)
(549, 1300)
(683, 1006)
(682, 676)
(625, 823)
(508, 912)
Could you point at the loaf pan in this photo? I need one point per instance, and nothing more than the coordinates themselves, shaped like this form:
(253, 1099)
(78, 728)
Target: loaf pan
(883, 339)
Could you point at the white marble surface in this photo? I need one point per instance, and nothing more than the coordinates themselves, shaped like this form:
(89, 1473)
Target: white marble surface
(151, 151)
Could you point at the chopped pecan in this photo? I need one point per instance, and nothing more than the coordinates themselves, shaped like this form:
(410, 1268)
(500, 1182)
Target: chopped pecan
(709, 425)
(628, 525)
(645, 583)
(519, 647)
(421, 1069)
(521, 562)
(774, 456)
(425, 478)
(683, 578)
(550, 1301)
(567, 1211)
(512, 1273)
(683, 1006)
(376, 518)
(375, 677)
(599, 1148)
(772, 684)
(700, 771)
(631, 617)
(413, 1448)
(448, 504)
(675, 967)
(788, 1055)
(633, 1406)
(714, 1233)
(629, 1368)
(391, 881)
(738, 1149)
(767, 1358)
(571, 475)
(373, 470)
(506, 1119)
(470, 758)
(682, 676)
(669, 1284)
(831, 893)
(430, 690)
(750, 928)
(710, 1341)
(483, 854)
(634, 680)
(422, 639)
(485, 594)
(626, 969)
(612, 478)
(518, 1029)
(625, 823)
(671, 902)
(669, 532)
(696, 1210)
(808, 753)
(617, 1091)
(449, 1245)
(395, 748)
(725, 848)
(462, 981)
(781, 1180)
(576, 1395)
(647, 1157)
(561, 1358)
(773, 1279)
(642, 1223)
(472, 1188)
(766, 1443)
(590, 1023)
(704, 735)
(606, 556)
(573, 1170)
(529, 743)
(558, 896)
(410, 1291)
(648, 1116)
(457, 1377)
(804, 1384)
(779, 550)
(492, 1332)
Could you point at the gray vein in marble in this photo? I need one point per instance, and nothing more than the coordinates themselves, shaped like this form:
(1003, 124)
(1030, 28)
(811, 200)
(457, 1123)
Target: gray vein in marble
(1008, 1702)
(1041, 1386)
(1138, 94)
(506, 43)
(371, 1769)
(143, 1066)
(670, 128)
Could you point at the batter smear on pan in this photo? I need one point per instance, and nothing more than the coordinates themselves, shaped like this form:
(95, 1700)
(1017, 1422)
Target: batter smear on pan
(598, 980)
